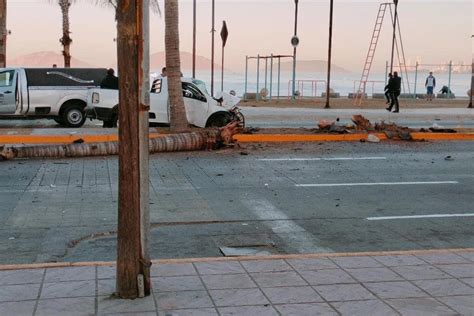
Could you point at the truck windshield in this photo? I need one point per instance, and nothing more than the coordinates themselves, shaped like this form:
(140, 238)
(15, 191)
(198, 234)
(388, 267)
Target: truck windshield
(6, 78)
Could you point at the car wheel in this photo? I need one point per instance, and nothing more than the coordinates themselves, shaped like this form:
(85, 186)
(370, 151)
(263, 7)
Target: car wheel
(219, 120)
(73, 116)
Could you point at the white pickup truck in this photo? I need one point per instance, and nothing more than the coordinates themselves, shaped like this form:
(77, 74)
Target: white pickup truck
(56, 93)
(202, 110)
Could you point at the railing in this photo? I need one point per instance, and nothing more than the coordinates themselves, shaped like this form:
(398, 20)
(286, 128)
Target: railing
(368, 82)
(309, 84)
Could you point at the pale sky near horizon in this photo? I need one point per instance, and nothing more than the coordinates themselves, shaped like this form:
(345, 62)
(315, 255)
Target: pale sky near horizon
(433, 31)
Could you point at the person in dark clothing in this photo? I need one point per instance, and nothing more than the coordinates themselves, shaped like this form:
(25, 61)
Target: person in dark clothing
(445, 90)
(395, 87)
(387, 89)
(110, 81)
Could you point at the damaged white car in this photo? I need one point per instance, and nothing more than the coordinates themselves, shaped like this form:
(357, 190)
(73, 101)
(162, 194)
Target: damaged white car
(202, 110)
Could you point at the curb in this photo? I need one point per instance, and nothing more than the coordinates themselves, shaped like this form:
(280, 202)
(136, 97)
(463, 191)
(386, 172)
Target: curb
(242, 258)
(242, 138)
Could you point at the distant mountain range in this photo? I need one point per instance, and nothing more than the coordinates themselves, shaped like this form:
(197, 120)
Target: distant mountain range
(45, 59)
(158, 61)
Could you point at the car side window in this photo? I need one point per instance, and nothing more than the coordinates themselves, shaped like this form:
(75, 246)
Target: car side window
(192, 92)
(6, 78)
(156, 86)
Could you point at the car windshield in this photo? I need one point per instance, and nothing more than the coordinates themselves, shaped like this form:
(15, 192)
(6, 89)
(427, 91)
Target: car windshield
(201, 85)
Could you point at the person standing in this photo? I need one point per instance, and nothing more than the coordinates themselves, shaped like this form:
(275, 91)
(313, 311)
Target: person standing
(430, 84)
(395, 88)
(387, 88)
(110, 81)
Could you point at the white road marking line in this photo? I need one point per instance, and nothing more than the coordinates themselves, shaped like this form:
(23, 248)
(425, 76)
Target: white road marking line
(419, 216)
(323, 159)
(295, 236)
(373, 183)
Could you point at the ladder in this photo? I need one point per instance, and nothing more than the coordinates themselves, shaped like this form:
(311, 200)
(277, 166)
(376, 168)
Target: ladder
(360, 93)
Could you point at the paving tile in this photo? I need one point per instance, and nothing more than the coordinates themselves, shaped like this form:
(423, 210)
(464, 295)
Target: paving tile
(228, 281)
(189, 312)
(468, 255)
(357, 262)
(24, 308)
(273, 279)
(69, 274)
(311, 264)
(423, 272)
(442, 258)
(327, 276)
(444, 287)
(266, 265)
(373, 274)
(238, 297)
(399, 260)
(291, 295)
(26, 276)
(364, 308)
(463, 304)
(11, 293)
(182, 300)
(397, 289)
(106, 286)
(178, 269)
(248, 311)
(420, 306)
(458, 270)
(468, 281)
(114, 305)
(106, 272)
(178, 283)
(343, 292)
(66, 306)
(68, 289)
(219, 267)
(310, 309)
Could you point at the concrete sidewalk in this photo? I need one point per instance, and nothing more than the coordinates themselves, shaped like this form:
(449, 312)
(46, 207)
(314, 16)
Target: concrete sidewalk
(439, 282)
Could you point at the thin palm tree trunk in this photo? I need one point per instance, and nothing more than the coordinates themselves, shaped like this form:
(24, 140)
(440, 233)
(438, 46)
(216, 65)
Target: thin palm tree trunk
(178, 120)
(66, 39)
(3, 33)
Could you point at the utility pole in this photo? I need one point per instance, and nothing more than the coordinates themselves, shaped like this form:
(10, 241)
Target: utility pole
(472, 81)
(3, 33)
(224, 35)
(328, 86)
(133, 263)
(213, 31)
(295, 42)
(394, 34)
(194, 38)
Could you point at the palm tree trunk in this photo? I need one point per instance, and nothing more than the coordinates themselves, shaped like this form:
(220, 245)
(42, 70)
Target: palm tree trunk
(178, 120)
(66, 40)
(3, 33)
(206, 139)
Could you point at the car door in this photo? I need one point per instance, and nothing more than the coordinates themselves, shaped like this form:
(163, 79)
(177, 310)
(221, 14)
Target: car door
(8, 91)
(195, 103)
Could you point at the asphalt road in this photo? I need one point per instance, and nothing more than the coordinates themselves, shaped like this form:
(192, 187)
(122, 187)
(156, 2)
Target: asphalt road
(293, 198)
(308, 118)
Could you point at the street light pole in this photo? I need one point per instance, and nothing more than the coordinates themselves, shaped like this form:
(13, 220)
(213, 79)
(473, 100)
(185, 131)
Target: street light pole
(294, 50)
(328, 85)
(394, 34)
(194, 38)
(213, 30)
(472, 81)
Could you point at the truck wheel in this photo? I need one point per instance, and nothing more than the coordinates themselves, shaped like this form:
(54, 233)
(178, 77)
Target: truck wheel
(73, 116)
(113, 122)
(219, 120)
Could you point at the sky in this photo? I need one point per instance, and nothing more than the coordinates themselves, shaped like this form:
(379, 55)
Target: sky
(433, 31)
